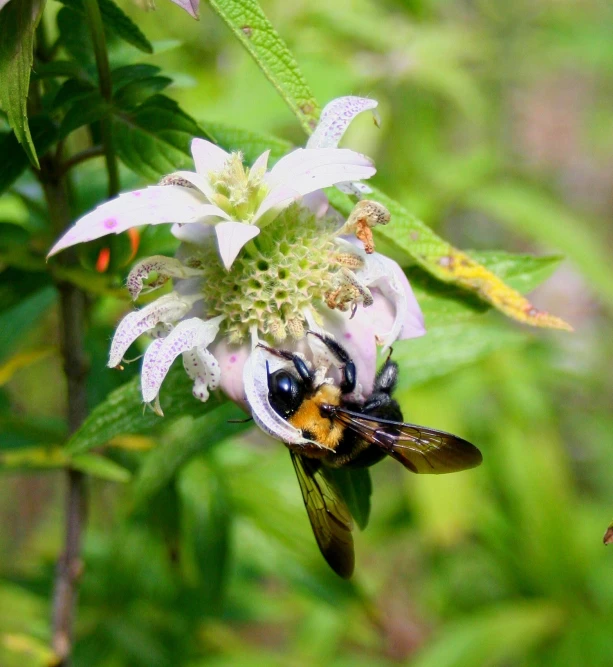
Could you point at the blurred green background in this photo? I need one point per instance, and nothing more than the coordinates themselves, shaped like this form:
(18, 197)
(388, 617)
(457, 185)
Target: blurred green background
(497, 129)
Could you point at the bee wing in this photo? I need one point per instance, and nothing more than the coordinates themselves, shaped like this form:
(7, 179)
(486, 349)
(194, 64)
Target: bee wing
(420, 449)
(329, 516)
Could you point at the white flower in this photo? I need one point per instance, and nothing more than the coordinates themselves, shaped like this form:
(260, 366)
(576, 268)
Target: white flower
(262, 258)
(237, 201)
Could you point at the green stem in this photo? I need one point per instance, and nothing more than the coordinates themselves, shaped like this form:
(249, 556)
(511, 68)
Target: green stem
(94, 19)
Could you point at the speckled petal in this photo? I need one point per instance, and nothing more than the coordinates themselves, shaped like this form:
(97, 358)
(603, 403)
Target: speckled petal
(335, 118)
(165, 267)
(207, 156)
(152, 206)
(158, 359)
(231, 237)
(255, 379)
(165, 310)
(203, 369)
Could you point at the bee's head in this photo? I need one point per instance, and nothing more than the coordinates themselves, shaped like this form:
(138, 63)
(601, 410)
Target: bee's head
(285, 391)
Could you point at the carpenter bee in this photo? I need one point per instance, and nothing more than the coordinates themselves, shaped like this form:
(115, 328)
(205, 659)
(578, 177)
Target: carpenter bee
(345, 433)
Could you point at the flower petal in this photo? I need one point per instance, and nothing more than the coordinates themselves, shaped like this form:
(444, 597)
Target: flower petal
(158, 359)
(306, 170)
(165, 267)
(335, 119)
(202, 367)
(260, 166)
(317, 203)
(190, 6)
(166, 310)
(152, 206)
(231, 237)
(208, 157)
(255, 378)
(198, 233)
(274, 202)
(384, 274)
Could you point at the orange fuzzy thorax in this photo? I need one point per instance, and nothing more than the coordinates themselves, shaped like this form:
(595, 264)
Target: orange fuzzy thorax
(308, 417)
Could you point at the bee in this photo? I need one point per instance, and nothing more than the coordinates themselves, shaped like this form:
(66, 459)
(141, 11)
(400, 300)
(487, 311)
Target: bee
(346, 433)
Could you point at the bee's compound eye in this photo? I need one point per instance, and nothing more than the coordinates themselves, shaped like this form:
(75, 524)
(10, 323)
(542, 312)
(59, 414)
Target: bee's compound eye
(285, 392)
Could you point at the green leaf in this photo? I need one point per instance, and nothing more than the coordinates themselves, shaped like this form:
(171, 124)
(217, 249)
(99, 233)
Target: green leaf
(14, 159)
(89, 109)
(116, 22)
(206, 528)
(71, 27)
(72, 91)
(355, 487)
(251, 144)
(60, 69)
(17, 321)
(121, 76)
(101, 467)
(18, 21)
(123, 411)
(133, 93)
(163, 463)
(444, 303)
(449, 347)
(154, 139)
(255, 32)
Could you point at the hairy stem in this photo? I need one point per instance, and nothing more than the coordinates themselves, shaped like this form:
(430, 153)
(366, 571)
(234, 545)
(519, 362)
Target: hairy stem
(96, 28)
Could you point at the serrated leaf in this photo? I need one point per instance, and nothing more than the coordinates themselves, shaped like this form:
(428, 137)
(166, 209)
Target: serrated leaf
(91, 108)
(206, 527)
(120, 76)
(154, 139)
(355, 487)
(72, 91)
(133, 93)
(163, 463)
(255, 32)
(18, 22)
(14, 159)
(448, 264)
(116, 22)
(18, 320)
(123, 411)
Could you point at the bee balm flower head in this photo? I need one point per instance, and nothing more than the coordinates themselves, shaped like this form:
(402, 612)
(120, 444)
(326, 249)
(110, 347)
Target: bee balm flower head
(262, 258)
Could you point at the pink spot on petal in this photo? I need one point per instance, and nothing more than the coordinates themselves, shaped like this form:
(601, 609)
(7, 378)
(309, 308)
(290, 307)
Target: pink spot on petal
(233, 359)
(137, 193)
(110, 223)
(347, 335)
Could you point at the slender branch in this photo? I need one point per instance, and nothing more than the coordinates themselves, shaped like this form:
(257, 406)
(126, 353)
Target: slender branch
(94, 19)
(82, 156)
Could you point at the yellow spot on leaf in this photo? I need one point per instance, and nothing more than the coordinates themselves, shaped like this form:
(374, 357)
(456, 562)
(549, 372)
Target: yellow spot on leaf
(460, 269)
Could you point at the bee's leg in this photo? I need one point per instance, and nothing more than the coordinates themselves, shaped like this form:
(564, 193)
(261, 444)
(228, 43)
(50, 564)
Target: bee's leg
(386, 377)
(303, 371)
(349, 381)
(380, 403)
